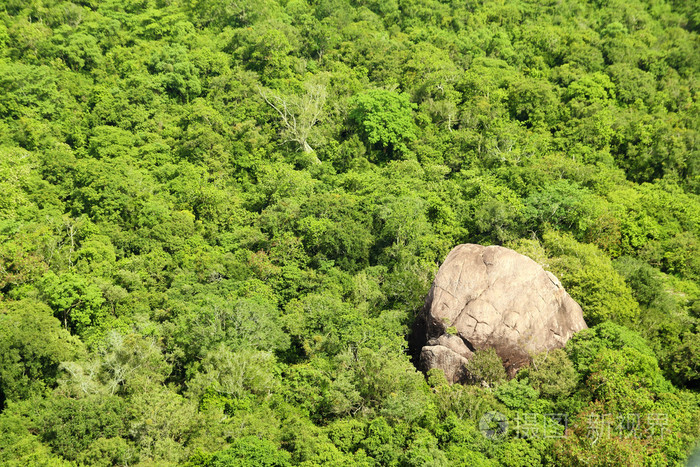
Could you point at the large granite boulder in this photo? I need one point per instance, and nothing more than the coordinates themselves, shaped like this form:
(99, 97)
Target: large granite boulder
(493, 297)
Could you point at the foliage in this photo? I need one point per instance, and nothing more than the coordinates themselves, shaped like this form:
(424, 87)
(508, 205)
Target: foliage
(32, 345)
(486, 367)
(590, 278)
(71, 426)
(553, 374)
(250, 451)
(220, 219)
(384, 118)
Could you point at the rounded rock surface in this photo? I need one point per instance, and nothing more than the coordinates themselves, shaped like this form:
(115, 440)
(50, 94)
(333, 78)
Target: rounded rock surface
(491, 296)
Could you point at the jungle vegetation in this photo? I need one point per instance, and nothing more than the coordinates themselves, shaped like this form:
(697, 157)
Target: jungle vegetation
(218, 220)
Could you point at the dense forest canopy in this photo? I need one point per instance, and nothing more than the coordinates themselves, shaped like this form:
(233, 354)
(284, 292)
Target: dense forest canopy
(219, 219)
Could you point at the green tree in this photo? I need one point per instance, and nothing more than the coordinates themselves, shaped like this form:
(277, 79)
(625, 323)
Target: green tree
(553, 374)
(384, 119)
(123, 364)
(74, 299)
(685, 361)
(70, 426)
(161, 424)
(370, 381)
(32, 346)
(234, 374)
(250, 451)
(486, 367)
(590, 278)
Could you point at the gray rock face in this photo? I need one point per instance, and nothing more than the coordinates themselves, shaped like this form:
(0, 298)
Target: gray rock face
(448, 352)
(494, 297)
